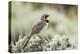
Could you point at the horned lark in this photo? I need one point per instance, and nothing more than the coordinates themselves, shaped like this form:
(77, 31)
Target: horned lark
(40, 26)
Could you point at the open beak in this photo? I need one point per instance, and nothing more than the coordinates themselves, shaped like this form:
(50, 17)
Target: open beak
(47, 18)
(47, 15)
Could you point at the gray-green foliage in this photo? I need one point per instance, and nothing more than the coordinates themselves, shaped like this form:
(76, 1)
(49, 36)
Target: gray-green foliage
(36, 44)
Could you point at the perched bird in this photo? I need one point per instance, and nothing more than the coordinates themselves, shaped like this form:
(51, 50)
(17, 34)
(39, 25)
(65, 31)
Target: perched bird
(38, 27)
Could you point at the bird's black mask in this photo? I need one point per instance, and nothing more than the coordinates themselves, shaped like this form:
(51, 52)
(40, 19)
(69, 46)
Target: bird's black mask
(47, 21)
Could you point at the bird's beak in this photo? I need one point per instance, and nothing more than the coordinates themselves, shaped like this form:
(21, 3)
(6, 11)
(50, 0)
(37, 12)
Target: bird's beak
(47, 15)
(47, 20)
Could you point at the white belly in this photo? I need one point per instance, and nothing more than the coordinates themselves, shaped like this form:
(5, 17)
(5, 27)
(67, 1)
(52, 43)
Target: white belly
(45, 28)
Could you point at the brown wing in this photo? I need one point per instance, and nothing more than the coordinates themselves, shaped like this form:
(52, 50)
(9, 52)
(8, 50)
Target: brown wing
(38, 27)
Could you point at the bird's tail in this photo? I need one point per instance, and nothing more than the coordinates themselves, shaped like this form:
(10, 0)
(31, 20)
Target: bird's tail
(26, 42)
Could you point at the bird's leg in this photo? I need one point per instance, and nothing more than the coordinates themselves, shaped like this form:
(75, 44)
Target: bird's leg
(41, 38)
